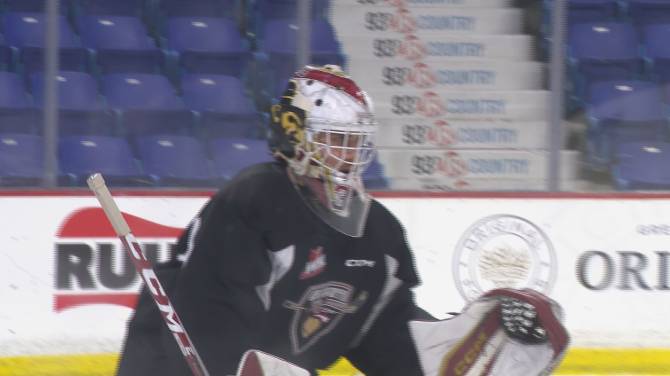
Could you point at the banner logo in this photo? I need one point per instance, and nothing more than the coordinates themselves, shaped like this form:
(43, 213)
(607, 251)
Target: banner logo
(503, 251)
(91, 265)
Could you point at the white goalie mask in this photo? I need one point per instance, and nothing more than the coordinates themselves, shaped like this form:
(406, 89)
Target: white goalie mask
(324, 127)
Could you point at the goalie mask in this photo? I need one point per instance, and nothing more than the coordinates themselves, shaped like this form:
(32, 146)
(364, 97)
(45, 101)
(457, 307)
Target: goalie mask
(323, 127)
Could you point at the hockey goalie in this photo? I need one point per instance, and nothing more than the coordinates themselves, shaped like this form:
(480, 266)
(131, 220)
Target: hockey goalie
(292, 265)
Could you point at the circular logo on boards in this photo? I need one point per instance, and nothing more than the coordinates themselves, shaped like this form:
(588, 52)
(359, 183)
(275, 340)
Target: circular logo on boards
(503, 251)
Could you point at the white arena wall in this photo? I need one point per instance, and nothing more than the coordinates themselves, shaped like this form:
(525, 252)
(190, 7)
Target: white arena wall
(67, 291)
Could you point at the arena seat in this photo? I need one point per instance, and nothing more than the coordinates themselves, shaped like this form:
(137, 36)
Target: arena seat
(642, 166)
(278, 50)
(113, 7)
(172, 160)
(373, 176)
(26, 32)
(624, 111)
(208, 45)
(120, 44)
(81, 109)
(230, 155)
(146, 103)
(223, 108)
(17, 112)
(21, 159)
(657, 51)
(602, 51)
(648, 12)
(23, 5)
(199, 8)
(81, 156)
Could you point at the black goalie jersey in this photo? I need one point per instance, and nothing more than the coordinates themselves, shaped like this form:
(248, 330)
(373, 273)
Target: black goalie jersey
(257, 269)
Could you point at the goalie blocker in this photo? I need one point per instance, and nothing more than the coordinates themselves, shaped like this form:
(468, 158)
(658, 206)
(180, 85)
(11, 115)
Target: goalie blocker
(506, 332)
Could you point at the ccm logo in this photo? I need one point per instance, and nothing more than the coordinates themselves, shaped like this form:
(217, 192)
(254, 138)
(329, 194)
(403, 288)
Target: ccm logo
(368, 263)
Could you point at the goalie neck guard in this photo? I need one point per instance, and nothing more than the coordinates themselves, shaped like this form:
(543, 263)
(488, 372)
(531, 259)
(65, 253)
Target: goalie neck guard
(324, 128)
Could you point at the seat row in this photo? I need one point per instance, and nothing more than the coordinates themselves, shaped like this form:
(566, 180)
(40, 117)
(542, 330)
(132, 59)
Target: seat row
(120, 44)
(132, 104)
(639, 12)
(602, 51)
(155, 160)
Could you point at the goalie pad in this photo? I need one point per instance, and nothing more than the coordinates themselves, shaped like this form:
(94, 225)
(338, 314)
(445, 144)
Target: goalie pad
(258, 363)
(506, 332)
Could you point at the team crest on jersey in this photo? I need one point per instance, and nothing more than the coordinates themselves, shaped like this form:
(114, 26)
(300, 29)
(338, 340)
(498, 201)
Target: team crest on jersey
(319, 310)
(316, 262)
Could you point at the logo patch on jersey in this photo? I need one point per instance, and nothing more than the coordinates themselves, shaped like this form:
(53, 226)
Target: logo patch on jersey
(319, 310)
(316, 262)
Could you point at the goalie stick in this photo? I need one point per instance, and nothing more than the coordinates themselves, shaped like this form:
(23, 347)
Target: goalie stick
(143, 266)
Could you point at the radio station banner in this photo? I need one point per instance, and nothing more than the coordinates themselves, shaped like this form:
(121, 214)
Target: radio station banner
(463, 165)
(372, 21)
(448, 184)
(606, 260)
(476, 74)
(422, 133)
(424, 3)
(440, 49)
(520, 105)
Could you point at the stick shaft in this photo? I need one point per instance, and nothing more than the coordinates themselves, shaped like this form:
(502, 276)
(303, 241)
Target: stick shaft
(145, 270)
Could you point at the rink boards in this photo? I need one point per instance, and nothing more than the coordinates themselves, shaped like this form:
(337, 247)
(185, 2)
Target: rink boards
(590, 252)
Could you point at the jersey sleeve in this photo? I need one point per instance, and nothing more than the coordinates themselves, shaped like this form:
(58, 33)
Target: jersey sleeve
(215, 293)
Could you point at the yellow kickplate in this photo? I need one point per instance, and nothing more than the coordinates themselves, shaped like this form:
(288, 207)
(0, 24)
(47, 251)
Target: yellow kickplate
(578, 361)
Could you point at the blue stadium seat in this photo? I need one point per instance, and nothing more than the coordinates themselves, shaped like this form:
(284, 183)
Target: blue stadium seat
(5, 54)
(81, 156)
(111, 7)
(208, 45)
(601, 52)
(17, 112)
(26, 32)
(81, 109)
(21, 159)
(223, 108)
(648, 12)
(374, 177)
(261, 12)
(121, 44)
(174, 160)
(642, 166)
(146, 103)
(199, 8)
(657, 51)
(230, 155)
(585, 11)
(279, 48)
(23, 5)
(624, 111)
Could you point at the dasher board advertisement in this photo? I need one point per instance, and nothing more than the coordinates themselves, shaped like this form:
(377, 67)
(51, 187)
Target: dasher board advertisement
(371, 21)
(68, 286)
